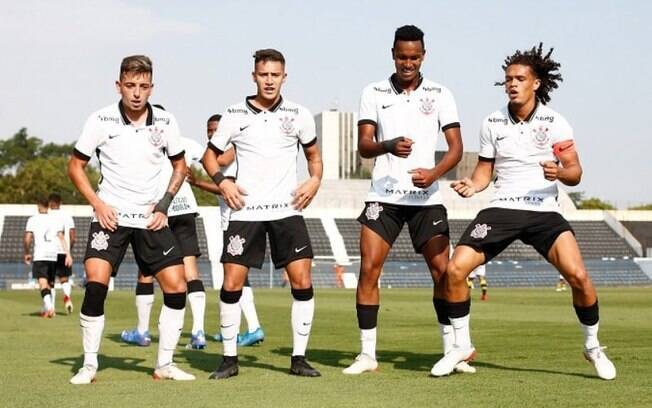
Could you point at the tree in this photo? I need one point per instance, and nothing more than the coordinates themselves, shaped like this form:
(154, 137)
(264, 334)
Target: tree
(18, 150)
(595, 203)
(644, 207)
(40, 177)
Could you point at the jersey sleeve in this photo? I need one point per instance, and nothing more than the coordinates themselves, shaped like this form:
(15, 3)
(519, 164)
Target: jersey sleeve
(561, 131)
(487, 146)
(307, 131)
(174, 146)
(194, 151)
(368, 113)
(30, 225)
(69, 222)
(89, 139)
(448, 117)
(225, 132)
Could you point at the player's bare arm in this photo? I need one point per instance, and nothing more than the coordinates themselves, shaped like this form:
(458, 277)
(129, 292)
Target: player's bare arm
(106, 215)
(160, 212)
(64, 245)
(479, 180)
(568, 170)
(72, 234)
(369, 148)
(27, 245)
(423, 178)
(305, 193)
(233, 194)
(223, 160)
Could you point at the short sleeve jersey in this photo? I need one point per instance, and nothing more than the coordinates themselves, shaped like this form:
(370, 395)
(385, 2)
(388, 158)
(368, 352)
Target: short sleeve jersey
(45, 228)
(518, 147)
(229, 170)
(266, 145)
(419, 115)
(184, 201)
(130, 158)
(68, 224)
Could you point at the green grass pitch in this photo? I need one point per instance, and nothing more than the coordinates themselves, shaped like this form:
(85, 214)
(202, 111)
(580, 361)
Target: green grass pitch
(528, 340)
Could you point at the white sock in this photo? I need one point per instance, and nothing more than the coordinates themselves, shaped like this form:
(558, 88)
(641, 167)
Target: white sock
(170, 324)
(67, 288)
(462, 330)
(447, 336)
(144, 305)
(53, 293)
(47, 302)
(91, 328)
(229, 327)
(590, 336)
(249, 309)
(302, 314)
(197, 302)
(368, 342)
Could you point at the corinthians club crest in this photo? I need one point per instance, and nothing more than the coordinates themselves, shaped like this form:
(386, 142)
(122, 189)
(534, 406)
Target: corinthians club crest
(540, 137)
(373, 211)
(427, 106)
(156, 136)
(100, 241)
(480, 231)
(287, 125)
(236, 245)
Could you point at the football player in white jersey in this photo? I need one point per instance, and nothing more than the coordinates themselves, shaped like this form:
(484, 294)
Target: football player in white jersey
(131, 140)
(70, 234)
(531, 147)
(266, 132)
(255, 333)
(400, 120)
(46, 232)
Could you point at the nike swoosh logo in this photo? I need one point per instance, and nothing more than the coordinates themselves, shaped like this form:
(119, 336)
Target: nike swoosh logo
(244, 127)
(435, 223)
(387, 106)
(168, 251)
(113, 136)
(226, 326)
(306, 324)
(498, 139)
(297, 250)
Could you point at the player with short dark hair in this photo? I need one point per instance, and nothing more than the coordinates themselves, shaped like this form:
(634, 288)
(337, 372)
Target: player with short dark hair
(131, 140)
(63, 272)
(400, 120)
(226, 161)
(266, 130)
(531, 147)
(46, 232)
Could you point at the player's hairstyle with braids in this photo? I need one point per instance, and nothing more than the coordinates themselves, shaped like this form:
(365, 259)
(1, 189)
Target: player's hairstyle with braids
(545, 68)
(409, 33)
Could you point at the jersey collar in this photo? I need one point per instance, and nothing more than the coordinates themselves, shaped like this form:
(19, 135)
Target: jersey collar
(528, 118)
(396, 86)
(256, 110)
(150, 115)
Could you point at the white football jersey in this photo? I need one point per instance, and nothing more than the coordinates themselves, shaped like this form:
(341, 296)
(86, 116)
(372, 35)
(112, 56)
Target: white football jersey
(517, 148)
(68, 224)
(184, 201)
(266, 145)
(131, 158)
(44, 228)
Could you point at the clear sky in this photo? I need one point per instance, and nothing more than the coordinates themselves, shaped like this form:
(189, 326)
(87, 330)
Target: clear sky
(59, 60)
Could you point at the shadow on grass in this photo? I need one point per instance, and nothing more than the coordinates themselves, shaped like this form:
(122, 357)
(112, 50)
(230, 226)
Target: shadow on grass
(480, 364)
(115, 337)
(208, 362)
(120, 363)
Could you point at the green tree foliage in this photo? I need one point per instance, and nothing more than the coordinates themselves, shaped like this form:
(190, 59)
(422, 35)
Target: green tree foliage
(203, 197)
(30, 169)
(644, 207)
(594, 203)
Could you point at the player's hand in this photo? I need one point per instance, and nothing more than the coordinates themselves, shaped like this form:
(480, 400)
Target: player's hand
(190, 178)
(464, 187)
(422, 178)
(304, 194)
(550, 170)
(107, 216)
(157, 221)
(68, 261)
(27, 258)
(399, 146)
(233, 194)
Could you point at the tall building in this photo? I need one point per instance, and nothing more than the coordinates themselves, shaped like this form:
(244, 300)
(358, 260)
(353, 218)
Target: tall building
(337, 133)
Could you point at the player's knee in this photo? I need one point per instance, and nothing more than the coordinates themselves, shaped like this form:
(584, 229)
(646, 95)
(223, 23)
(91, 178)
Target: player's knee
(455, 273)
(94, 298)
(175, 301)
(230, 296)
(303, 294)
(578, 278)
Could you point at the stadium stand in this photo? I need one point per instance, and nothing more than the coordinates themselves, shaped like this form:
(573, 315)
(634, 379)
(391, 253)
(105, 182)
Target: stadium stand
(642, 230)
